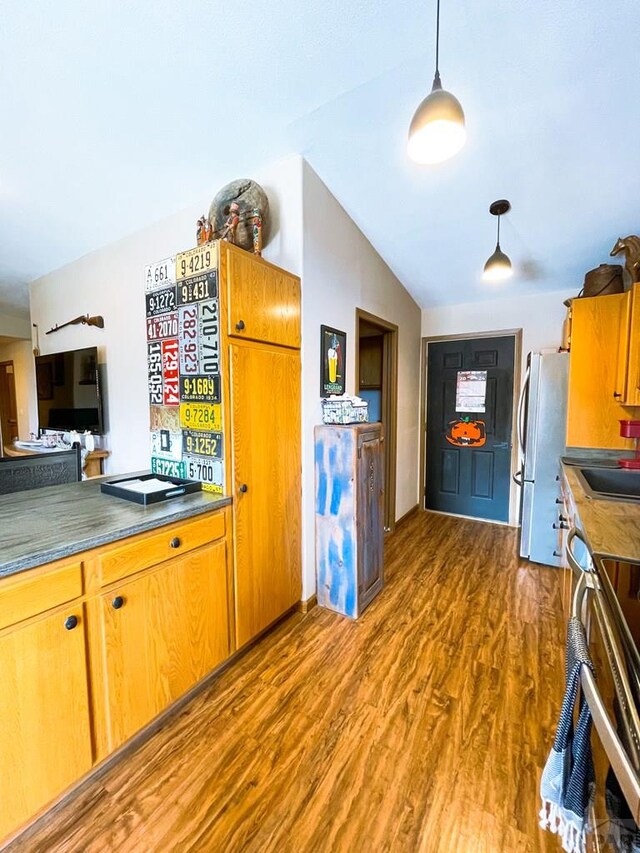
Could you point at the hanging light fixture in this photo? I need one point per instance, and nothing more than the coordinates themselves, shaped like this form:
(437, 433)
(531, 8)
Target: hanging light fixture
(498, 267)
(437, 129)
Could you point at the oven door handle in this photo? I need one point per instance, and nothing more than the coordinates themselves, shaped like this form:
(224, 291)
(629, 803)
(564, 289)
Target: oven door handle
(574, 533)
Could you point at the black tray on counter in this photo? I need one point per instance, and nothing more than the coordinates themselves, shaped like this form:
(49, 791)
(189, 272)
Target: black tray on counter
(175, 488)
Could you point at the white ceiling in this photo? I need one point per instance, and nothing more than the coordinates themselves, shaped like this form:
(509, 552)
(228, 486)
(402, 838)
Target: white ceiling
(116, 114)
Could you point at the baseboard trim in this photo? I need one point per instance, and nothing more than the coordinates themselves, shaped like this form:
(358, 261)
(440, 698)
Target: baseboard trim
(407, 515)
(304, 606)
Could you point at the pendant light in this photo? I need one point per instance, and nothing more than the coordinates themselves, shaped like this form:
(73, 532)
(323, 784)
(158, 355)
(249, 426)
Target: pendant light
(498, 267)
(437, 129)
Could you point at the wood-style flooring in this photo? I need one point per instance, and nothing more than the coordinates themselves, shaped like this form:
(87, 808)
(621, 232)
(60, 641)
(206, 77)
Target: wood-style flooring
(420, 728)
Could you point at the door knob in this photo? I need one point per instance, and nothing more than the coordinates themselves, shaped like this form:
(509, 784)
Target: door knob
(244, 488)
(117, 602)
(70, 622)
(175, 542)
(240, 326)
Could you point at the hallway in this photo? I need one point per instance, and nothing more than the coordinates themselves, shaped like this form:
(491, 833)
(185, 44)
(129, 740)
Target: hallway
(422, 727)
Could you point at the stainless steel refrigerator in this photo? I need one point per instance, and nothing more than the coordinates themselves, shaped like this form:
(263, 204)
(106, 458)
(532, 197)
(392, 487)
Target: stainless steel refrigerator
(542, 430)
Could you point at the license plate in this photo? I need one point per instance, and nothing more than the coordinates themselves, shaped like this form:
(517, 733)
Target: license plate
(208, 444)
(166, 444)
(201, 416)
(188, 336)
(162, 326)
(216, 488)
(197, 288)
(160, 301)
(206, 470)
(160, 274)
(168, 467)
(197, 260)
(209, 337)
(170, 365)
(154, 368)
(165, 417)
(199, 389)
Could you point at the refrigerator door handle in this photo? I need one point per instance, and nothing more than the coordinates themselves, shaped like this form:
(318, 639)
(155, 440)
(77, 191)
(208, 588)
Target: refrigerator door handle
(517, 477)
(520, 416)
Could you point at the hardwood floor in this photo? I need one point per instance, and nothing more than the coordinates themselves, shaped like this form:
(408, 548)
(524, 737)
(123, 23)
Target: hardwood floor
(422, 727)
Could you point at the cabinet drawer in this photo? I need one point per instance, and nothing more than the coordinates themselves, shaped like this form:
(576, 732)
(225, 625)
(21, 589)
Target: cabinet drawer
(152, 548)
(29, 594)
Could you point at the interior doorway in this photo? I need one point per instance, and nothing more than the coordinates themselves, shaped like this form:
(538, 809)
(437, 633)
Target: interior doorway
(8, 408)
(377, 382)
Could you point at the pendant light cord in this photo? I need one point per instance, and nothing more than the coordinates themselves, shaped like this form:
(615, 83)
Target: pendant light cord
(498, 240)
(436, 80)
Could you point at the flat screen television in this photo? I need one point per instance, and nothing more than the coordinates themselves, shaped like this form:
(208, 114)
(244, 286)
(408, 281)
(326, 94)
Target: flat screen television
(68, 387)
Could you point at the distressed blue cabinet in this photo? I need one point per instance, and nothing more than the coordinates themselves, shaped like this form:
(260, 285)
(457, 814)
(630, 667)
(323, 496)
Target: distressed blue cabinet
(349, 465)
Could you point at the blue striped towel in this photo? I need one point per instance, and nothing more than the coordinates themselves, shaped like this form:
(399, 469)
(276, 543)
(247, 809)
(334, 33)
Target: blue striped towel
(567, 786)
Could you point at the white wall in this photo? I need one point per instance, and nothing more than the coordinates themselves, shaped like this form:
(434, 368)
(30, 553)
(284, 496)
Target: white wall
(14, 327)
(20, 352)
(342, 272)
(110, 282)
(540, 317)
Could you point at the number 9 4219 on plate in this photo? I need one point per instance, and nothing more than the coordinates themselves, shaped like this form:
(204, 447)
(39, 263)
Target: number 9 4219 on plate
(202, 416)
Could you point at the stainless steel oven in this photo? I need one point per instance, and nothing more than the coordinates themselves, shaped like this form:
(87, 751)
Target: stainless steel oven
(613, 697)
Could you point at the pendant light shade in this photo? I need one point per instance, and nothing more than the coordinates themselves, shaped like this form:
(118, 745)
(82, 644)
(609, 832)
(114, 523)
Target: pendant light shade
(498, 266)
(437, 130)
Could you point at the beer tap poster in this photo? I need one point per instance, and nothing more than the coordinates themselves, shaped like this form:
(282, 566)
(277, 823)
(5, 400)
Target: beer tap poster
(183, 355)
(333, 359)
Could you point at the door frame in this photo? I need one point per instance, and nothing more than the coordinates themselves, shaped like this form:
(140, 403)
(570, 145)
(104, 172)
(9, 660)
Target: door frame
(516, 334)
(389, 406)
(3, 438)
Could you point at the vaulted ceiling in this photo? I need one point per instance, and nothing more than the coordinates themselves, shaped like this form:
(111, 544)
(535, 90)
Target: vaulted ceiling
(117, 114)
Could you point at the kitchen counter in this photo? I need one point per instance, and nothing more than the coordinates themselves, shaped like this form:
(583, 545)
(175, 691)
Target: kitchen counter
(42, 525)
(611, 528)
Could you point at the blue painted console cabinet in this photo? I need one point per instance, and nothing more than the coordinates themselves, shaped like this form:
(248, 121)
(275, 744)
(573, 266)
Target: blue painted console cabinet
(349, 465)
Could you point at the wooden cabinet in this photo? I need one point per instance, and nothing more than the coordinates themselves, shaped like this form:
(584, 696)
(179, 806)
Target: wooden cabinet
(595, 373)
(349, 516)
(267, 485)
(159, 635)
(628, 363)
(45, 736)
(263, 300)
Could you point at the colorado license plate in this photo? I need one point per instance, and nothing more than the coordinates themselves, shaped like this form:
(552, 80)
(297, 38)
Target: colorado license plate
(206, 470)
(166, 444)
(188, 336)
(197, 288)
(170, 365)
(162, 326)
(168, 467)
(199, 389)
(208, 444)
(154, 368)
(209, 337)
(160, 274)
(197, 260)
(160, 301)
(201, 416)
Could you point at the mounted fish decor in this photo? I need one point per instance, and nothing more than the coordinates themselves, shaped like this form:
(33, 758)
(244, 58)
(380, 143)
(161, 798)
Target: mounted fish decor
(465, 432)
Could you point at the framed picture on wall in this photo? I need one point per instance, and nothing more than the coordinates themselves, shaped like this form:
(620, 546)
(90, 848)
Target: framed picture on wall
(333, 360)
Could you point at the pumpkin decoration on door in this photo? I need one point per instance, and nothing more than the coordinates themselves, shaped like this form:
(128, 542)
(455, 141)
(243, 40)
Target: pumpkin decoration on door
(464, 432)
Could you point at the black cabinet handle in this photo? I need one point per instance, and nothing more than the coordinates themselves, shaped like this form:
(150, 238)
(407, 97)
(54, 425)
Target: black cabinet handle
(175, 542)
(562, 517)
(557, 554)
(240, 326)
(561, 526)
(70, 622)
(117, 602)
(559, 500)
(244, 488)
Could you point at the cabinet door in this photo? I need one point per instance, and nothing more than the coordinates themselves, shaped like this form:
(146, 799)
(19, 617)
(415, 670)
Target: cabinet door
(632, 390)
(45, 736)
(162, 633)
(263, 301)
(370, 514)
(265, 410)
(622, 364)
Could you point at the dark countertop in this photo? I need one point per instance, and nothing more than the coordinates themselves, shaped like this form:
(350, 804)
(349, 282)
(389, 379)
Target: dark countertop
(611, 528)
(43, 525)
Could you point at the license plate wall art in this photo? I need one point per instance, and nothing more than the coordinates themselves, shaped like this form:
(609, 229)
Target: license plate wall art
(183, 365)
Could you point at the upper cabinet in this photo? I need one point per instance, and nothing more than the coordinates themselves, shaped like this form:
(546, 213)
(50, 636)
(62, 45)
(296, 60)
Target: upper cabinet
(604, 369)
(263, 300)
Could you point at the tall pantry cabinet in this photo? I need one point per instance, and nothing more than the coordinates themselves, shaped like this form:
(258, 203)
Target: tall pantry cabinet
(260, 320)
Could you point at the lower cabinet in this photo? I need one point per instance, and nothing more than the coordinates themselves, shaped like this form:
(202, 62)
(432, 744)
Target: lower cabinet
(160, 634)
(45, 735)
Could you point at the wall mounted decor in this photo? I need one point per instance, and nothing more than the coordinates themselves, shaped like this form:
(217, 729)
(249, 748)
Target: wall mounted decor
(466, 432)
(83, 320)
(630, 248)
(204, 231)
(333, 357)
(234, 211)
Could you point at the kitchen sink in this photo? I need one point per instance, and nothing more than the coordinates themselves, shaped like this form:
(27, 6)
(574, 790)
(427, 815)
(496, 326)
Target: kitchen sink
(610, 484)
